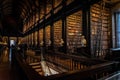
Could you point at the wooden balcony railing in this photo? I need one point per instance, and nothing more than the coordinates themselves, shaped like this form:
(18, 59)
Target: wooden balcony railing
(92, 73)
(93, 70)
(71, 62)
(28, 71)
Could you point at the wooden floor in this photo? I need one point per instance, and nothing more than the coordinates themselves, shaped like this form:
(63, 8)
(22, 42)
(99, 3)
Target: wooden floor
(7, 71)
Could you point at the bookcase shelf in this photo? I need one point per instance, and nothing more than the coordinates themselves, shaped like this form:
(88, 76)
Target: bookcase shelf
(100, 25)
(47, 34)
(57, 32)
(40, 35)
(74, 31)
(36, 38)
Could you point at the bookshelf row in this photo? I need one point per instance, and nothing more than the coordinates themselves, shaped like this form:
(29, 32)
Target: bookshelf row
(39, 14)
(100, 25)
(99, 30)
(74, 31)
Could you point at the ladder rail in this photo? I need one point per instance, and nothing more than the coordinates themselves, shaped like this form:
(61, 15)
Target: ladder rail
(98, 46)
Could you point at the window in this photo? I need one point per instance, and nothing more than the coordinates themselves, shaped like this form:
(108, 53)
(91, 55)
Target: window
(117, 29)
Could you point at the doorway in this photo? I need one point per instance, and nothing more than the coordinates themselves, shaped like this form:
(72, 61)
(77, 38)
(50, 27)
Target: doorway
(12, 43)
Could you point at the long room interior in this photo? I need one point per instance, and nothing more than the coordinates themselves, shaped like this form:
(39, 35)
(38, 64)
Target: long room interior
(59, 39)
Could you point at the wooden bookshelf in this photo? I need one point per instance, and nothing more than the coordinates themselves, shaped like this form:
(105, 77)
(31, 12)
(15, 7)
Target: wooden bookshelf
(69, 1)
(100, 25)
(57, 5)
(24, 27)
(32, 39)
(36, 38)
(74, 30)
(48, 6)
(26, 39)
(47, 34)
(57, 2)
(40, 35)
(37, 16)
(57, 32)
(42, 13)
(29, 39)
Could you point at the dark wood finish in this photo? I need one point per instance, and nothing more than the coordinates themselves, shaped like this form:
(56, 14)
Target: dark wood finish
(94, 72)
(38, 37)
(64, 27)
(91, 73)
(44, 25)
(70, 9)
(29, 72)
(71, 62)
(52, 26)
(86, 26)
(114, 54)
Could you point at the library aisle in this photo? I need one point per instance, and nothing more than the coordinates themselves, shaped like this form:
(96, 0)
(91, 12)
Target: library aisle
(7, 71)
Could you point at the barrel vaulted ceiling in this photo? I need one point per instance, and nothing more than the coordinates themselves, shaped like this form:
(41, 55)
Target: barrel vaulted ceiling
(14, 12)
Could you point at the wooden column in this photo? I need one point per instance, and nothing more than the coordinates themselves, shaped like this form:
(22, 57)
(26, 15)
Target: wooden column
(44, 32)
(38, 37)
(38, 25)
(86, 27)
(8, 42)
(52, 26)
(64, 26)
